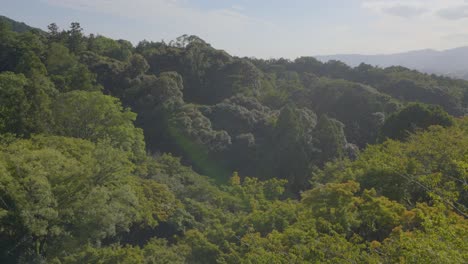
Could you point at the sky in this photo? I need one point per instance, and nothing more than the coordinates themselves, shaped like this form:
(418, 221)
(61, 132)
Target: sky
(264, 28)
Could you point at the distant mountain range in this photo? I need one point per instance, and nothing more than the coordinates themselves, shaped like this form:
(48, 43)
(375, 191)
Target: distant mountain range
(451, 62)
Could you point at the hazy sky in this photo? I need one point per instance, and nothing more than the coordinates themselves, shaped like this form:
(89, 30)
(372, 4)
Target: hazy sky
(264, 28)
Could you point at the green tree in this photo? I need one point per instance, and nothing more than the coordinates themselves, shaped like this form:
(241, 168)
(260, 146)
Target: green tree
(413, 117)
(291, 151)
(330, 139)
(14, 104)
(66, 71)
(95, 116)
(75, 39)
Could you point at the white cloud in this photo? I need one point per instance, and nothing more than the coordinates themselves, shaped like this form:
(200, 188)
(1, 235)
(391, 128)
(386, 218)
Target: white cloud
(404, 11)
(383, 26)
(174, 10)
(172, 18)
(408, 8)
(416, 24)
(457, 37)
(454, 13)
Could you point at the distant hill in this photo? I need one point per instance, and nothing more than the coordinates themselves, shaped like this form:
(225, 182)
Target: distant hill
(451, 62)
(18, 26)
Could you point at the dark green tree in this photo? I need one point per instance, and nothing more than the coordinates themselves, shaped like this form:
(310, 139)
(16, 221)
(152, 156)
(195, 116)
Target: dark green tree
(414, 117)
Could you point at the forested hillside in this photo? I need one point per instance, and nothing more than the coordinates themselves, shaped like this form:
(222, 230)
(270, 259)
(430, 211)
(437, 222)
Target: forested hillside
(103, 145)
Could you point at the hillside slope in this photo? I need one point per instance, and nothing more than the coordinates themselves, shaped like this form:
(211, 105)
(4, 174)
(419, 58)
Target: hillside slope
(18, 26)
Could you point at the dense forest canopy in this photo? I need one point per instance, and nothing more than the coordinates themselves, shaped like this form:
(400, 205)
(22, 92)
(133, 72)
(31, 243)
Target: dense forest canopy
(103, 146)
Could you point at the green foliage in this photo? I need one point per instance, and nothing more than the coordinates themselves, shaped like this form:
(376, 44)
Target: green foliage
(60, 192)
(291, 151)
(331, 138)
(25, 103)
(69, 192)
(119, 50)
(442, 239)
(156, 202)
(14, 105)
(15, 25)
(413, 117)
(430, 166)
(335, 203)
(94, 116)
(66, 71)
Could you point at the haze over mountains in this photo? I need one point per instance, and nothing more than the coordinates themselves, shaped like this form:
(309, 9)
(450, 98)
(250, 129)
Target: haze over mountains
(451, 62)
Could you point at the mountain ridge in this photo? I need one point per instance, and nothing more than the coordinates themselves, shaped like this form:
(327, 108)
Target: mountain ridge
(450, 62)
(18, 26)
